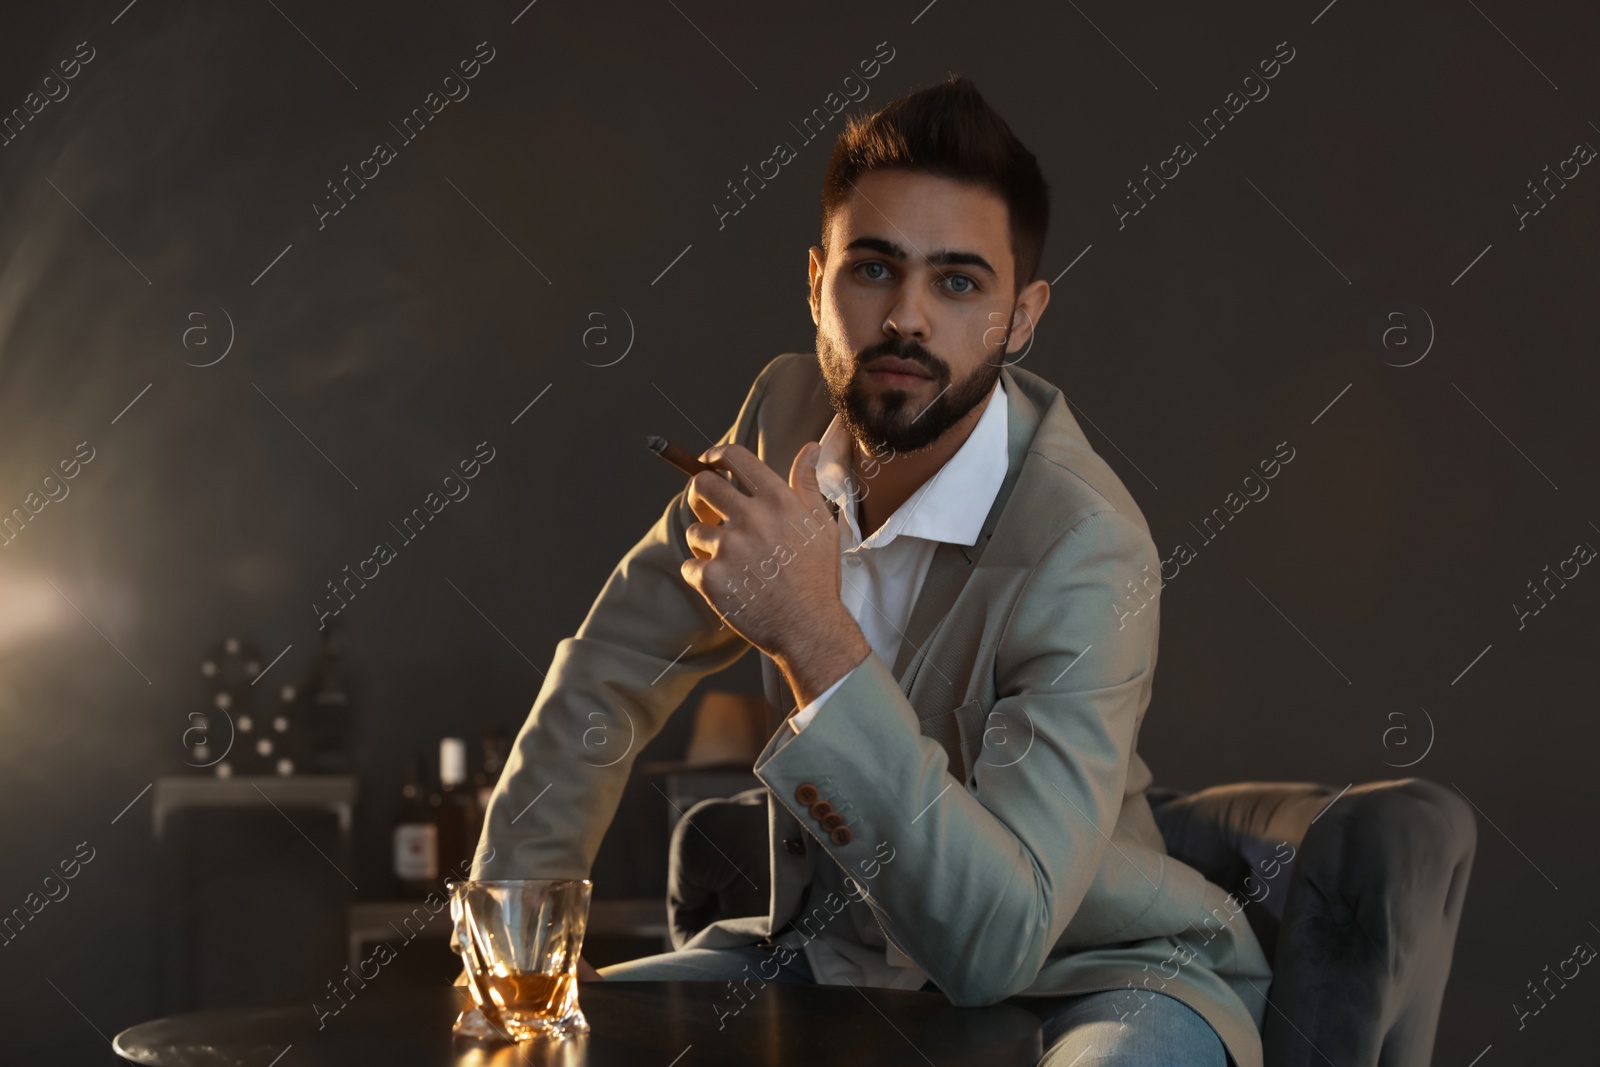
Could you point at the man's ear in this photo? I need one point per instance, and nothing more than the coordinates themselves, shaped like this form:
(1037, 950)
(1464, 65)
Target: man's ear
(815, 267)
(1031, 302)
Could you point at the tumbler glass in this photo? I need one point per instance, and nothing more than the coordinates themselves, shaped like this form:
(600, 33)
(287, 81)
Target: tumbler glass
(520, 942)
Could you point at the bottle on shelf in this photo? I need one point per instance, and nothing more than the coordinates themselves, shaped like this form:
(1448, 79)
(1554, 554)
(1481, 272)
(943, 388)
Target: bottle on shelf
(496, 747)
(416, 839)
(329, 707)
(454, 810)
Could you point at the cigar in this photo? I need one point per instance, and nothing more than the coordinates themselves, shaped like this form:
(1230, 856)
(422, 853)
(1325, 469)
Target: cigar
(676, 455)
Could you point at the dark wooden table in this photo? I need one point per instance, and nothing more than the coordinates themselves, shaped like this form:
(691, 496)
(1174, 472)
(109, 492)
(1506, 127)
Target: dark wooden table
(654, 1024)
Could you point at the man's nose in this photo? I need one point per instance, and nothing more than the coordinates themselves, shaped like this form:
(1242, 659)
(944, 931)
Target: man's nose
(908, 315)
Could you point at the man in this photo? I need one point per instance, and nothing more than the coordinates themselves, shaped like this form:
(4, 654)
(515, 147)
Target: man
(963, 656)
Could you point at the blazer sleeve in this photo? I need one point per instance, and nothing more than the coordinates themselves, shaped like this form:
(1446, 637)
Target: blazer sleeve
(799, 720)
(980, 885)
(647, 639)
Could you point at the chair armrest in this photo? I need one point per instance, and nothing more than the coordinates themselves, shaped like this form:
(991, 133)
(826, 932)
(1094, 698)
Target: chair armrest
(718, 865)
(1360, 924)
(1369, 926)
(1239, 835)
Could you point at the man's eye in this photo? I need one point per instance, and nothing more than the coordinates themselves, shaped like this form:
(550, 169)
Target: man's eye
(866, 267)
(959, 283)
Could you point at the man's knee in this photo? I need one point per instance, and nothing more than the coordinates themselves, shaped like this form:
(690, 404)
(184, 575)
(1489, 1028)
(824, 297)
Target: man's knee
(1129, 1028)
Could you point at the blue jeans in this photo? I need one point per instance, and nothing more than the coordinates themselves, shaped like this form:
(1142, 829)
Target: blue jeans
(1110, 1028)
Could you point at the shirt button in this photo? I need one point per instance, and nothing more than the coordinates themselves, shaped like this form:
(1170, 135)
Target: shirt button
(794, 846)
(853, 559)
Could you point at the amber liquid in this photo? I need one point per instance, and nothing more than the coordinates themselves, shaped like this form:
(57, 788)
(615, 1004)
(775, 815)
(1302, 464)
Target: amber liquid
(532, 1002)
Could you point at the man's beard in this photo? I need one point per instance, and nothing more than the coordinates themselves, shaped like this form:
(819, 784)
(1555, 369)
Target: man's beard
(897, 423)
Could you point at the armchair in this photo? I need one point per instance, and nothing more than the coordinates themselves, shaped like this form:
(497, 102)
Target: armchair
(1355, 897)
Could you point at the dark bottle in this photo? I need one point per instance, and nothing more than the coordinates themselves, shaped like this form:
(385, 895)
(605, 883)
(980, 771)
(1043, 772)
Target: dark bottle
(329, 709)
(496, 747)
(454, 810)
(416, 839)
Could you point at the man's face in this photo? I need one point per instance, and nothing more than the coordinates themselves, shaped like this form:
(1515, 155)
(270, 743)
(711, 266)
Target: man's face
(919, 269)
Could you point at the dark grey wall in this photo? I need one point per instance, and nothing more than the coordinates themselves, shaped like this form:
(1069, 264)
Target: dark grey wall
(385, 344)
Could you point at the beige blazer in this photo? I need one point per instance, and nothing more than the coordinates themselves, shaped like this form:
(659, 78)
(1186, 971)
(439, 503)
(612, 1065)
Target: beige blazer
(995, 760)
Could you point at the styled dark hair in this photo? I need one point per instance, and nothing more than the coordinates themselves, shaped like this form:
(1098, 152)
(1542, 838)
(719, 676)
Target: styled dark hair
(950, 130)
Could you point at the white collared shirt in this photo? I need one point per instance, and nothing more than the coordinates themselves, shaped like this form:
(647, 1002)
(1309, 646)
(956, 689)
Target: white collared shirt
(880, 577)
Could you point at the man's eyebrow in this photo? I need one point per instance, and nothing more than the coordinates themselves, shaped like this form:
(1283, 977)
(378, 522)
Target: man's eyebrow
(939, 258)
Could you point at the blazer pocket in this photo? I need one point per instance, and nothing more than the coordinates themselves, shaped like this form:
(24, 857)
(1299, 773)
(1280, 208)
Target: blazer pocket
(971, 719)
(960, 733)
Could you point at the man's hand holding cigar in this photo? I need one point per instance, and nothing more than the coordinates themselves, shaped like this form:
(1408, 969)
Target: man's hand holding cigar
(768, 562)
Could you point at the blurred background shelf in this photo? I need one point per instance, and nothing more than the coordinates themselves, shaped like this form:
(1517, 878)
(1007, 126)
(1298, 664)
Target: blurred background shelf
(336, 792)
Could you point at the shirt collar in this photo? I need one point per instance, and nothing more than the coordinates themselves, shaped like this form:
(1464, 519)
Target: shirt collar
(950, 506)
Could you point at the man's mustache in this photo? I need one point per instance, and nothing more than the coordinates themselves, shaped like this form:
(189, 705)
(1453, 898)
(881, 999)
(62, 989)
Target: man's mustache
(904, 350)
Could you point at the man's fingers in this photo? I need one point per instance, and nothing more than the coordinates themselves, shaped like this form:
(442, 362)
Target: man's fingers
(693, 571)
(755, 475)
(703, 538)
(803, 472)
(703, 510)
(712, 498)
